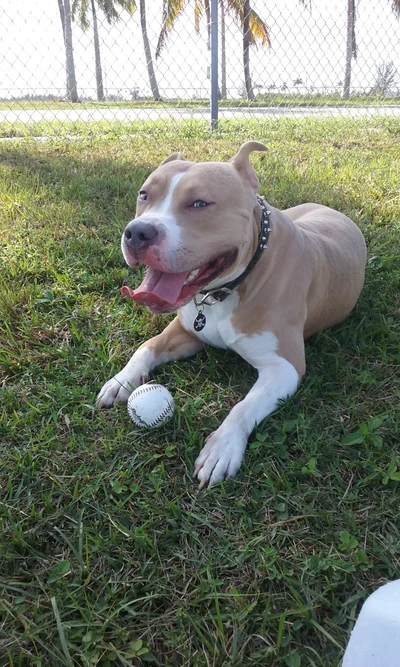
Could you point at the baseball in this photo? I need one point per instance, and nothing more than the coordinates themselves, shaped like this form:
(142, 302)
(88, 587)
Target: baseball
(150, 405)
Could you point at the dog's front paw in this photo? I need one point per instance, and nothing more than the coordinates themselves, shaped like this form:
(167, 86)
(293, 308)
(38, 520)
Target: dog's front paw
(119, 388)
(221, 456)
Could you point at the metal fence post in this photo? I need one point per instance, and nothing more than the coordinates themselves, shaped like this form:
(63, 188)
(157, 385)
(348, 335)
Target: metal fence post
(214, 65)
(289, 81)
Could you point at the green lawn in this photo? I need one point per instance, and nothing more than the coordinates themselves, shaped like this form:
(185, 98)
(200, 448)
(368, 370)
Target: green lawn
(109, 555)
(274, 99)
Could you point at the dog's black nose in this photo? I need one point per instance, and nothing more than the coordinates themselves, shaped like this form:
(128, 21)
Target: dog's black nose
(140, 235)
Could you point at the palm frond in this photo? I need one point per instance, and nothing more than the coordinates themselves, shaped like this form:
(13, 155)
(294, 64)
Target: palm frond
(396, 7)
(79, 11)
(259, 32)
(235, 9)
(198, 14)
(108, 9)
(172, 10)
(128, 5)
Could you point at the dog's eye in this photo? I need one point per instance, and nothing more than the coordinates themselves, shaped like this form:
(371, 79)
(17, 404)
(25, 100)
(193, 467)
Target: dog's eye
(199, 203)
(142, 195)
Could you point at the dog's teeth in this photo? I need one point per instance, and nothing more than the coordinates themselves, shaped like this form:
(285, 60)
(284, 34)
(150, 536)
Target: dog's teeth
(192, 276)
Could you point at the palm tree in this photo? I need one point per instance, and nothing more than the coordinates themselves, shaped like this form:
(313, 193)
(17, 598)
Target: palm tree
(223, 50)
(65, 15)
(111, 10)
(97, 60)
(246, 50)
(80, 12)
(255, 31)
(351, 46)
(147, 52)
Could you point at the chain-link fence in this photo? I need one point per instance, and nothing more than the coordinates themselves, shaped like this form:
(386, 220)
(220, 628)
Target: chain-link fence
(107, 60)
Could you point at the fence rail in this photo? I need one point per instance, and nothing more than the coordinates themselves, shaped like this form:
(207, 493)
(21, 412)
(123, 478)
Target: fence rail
(115, 60)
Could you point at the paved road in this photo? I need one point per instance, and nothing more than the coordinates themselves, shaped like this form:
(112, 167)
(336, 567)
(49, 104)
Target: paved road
(110, 114)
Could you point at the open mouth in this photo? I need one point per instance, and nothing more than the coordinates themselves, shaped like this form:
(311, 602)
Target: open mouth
(165, 292)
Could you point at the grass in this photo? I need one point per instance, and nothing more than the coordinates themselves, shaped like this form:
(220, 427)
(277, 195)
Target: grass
(274, 99)
(109, 555)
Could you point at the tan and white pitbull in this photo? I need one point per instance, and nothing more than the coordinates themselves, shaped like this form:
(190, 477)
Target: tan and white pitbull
(197, 227)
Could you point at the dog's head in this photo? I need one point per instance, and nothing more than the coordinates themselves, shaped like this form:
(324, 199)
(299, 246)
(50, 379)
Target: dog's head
(196, 226)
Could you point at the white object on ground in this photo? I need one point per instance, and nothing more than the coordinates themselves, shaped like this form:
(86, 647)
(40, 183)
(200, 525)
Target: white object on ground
(375, 640)
(150, 405)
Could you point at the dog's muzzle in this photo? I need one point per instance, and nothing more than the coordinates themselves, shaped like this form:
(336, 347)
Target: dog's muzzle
(139, 236)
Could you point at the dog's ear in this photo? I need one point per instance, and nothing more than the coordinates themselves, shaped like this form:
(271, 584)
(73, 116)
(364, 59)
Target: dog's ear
(242, 164)
(171, 158)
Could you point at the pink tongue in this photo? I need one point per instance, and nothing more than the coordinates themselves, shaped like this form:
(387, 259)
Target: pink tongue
(157, 288)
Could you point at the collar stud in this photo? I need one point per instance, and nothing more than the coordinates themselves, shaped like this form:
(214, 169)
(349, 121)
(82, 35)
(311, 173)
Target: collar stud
(221, 293)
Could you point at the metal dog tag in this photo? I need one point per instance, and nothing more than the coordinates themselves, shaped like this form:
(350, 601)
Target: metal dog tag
(199, 322)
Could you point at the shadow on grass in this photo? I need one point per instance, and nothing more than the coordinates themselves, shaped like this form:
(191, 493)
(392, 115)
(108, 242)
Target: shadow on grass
(106, 543)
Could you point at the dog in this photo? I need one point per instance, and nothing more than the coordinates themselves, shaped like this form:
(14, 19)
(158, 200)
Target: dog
(242, 275)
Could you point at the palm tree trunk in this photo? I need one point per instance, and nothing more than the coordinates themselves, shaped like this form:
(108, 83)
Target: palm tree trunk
(147, 51)
(99, 73)
(223, 51)
(207, 9)
(350, 47)
(62, 16)
(65, 13)
(246, 50)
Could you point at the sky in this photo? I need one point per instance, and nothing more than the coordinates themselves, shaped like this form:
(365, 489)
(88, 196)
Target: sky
(306, 44)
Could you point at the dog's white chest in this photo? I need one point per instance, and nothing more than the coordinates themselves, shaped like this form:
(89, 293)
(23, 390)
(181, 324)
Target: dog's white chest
(218, 330)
